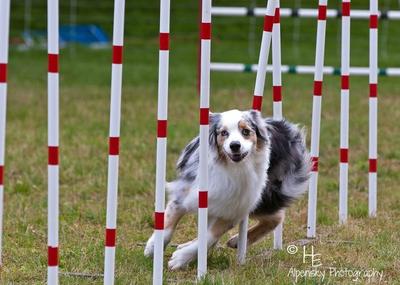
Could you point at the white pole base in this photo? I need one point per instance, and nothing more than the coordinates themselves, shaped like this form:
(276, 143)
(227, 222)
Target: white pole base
(372, 201)
(242, 240)
(312, 205)
(52, 275)
(203, 241)
(158, 257)
(278, 236)
(109, 265)
(343, 193)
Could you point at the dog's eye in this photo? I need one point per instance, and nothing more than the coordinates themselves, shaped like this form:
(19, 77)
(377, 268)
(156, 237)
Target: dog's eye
(224, 133)
(246, 132)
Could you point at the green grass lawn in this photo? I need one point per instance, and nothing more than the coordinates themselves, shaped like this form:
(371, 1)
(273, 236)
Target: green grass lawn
(362, 244)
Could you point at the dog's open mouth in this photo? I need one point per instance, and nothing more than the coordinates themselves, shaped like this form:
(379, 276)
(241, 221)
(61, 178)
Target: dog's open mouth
(236, 157)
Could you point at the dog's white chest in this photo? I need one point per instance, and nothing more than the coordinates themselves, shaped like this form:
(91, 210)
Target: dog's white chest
(234, 191)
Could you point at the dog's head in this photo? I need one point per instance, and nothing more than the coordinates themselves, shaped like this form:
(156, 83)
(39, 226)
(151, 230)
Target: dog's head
(236, 135)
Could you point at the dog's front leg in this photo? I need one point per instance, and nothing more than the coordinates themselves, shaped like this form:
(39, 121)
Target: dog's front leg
(173, 213)
(184, 255)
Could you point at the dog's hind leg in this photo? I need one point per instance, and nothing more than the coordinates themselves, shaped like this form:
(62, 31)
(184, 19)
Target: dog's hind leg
(266, 224)
(173, 213)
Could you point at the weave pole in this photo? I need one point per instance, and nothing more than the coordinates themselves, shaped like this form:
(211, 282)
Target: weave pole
(316, 118)
(205, 51)
(344, 113)
(373, 107)
(277, 93)
(257, 104)
(200, 5)
(53, 140)
(4, 32)
(114, 136)
(276, 65)
(264, 53)
(162, 117)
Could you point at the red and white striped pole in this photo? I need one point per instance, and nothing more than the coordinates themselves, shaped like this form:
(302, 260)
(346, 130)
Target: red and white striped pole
(276, 65)
(53, 139)
(162, 117)
(344, 113)
(4, 31)
(205, 51)
(316, 118)
(277, 93)
(199, 47)
(373, 107)
(264, 53)
(257, 103)
(113, 157)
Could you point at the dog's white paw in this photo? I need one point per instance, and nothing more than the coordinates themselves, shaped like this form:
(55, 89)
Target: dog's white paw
(233, 242)
(181, 258)
(149, 249)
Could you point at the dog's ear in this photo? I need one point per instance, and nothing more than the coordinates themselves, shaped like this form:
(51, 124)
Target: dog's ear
(258, 124)
(214, 119)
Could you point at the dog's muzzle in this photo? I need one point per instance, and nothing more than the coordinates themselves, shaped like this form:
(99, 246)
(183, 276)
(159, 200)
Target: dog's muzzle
(236, 157)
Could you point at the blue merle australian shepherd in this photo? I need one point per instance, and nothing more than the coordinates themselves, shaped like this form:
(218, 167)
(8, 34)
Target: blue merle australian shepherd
(256, 166)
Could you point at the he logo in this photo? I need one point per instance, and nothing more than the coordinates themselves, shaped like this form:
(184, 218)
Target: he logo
(315, 262)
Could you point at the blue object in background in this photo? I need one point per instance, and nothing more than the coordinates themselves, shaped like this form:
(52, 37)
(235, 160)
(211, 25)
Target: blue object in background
(91, 35)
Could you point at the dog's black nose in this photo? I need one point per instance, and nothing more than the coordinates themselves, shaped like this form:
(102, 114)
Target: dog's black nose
(235, 146)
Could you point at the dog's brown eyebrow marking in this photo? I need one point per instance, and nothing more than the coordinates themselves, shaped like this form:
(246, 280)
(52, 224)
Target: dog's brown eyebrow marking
(244, 125)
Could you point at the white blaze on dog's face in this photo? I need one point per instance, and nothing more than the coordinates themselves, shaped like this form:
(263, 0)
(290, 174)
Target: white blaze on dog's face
(237, 134)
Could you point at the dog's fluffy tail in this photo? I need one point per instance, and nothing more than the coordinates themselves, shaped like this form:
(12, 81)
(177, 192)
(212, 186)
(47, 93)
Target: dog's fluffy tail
(289, 169)
(296, 182)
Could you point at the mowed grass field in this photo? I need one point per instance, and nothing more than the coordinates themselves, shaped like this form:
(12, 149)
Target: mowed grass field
(362, 244)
